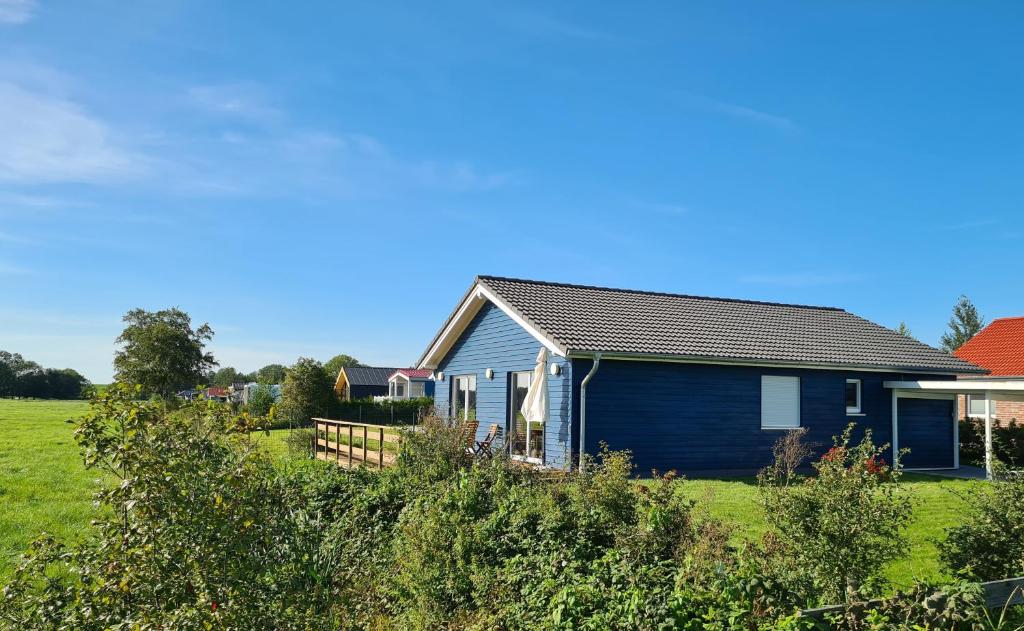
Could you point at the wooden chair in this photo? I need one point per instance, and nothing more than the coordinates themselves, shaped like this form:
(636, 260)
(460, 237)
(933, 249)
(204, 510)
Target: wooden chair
(483, 447)
(468, 431)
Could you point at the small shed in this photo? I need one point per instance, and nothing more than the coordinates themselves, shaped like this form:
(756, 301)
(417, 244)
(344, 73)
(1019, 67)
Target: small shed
(360, 382)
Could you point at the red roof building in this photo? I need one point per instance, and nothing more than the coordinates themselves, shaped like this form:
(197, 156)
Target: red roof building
(999, 347)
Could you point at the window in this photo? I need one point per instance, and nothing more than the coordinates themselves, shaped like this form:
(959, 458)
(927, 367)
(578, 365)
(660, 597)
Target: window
(416, 389)
(853, 396)
(525, 443)
(976, 405)
(399, 390)
(780, 402)
(464, 397)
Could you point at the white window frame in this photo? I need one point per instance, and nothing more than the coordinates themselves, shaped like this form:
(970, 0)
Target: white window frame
(765, 380)
(857, 409)
(465, 403)
(981, 399)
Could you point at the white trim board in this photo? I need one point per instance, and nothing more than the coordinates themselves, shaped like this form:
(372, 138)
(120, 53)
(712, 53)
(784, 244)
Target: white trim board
(464, 315)
(960, 386)
(674, 359)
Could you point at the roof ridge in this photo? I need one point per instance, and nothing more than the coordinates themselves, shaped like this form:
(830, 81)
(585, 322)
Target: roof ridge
(994, 320)
(659, 293)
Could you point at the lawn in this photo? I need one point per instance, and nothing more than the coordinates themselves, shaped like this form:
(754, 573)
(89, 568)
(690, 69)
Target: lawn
(938, 504)
(44, 487)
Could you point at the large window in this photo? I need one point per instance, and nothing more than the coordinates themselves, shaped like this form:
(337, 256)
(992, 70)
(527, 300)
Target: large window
(853, 396)
(526, 440)
(780, 402)
(464, 397)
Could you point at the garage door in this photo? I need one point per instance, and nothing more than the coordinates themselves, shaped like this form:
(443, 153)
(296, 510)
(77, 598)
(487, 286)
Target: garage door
(926, 428)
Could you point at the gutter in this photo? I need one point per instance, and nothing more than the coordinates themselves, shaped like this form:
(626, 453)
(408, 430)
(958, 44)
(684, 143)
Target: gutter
(583, 408)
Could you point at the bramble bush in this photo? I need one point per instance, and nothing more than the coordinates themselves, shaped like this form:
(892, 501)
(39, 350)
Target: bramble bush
(202, 530)
(843, 525)
(989, 544)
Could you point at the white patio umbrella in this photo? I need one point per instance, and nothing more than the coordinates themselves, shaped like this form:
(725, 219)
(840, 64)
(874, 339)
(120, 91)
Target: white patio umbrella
(535, 405)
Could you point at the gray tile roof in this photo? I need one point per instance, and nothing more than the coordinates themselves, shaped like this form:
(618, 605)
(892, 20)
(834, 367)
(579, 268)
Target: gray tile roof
(368, 375)
(582, 319)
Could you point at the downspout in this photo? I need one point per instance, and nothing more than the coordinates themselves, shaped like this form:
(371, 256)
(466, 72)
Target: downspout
(583, 407)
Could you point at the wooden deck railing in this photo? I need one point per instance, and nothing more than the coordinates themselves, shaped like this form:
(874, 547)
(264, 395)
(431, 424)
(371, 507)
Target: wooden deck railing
(1009, 591)
(352, 444)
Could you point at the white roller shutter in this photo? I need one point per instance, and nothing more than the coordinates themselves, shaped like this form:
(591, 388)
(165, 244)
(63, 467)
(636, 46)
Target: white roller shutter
(780, 402)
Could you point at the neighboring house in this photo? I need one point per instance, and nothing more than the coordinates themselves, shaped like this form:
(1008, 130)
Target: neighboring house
(360, 382)
(237, 392)
(411, 383)
(215, 393)
(999, 347)
(688, 383)
(189, 395)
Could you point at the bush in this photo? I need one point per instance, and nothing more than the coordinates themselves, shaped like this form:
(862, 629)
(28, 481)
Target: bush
(261, 400)
(989, 544)
(400, 412)
(841, 526)
(200, 530)
(1007, 441)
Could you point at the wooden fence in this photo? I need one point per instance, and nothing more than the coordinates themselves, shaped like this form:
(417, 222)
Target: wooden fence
(350, 444)
(997, 594)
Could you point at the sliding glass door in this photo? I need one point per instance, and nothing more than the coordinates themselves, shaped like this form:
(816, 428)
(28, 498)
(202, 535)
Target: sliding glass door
(526, 439)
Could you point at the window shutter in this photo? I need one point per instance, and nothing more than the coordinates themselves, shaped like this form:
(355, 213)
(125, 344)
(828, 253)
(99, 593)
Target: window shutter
(780, 402)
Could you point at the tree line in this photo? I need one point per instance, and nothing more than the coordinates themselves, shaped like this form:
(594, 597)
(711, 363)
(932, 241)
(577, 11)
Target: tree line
(163, 353)
(20, 377)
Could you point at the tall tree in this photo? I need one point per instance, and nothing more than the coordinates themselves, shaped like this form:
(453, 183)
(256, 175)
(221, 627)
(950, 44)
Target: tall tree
(963, 325)
(271, 374)
(306, 391)
(336, 363)
(162, 352)
(8, 380)
(904, 330)
(227, 376)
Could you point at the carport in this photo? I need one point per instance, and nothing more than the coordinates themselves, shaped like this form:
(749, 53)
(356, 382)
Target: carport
(923, 404)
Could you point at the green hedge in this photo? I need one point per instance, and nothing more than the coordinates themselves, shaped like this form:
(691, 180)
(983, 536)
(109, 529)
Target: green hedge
(1007, 442)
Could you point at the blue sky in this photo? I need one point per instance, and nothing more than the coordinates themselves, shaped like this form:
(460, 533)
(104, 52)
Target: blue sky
(325, 178)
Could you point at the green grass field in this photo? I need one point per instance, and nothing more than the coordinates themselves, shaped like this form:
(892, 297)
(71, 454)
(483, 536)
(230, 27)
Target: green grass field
(44, 487)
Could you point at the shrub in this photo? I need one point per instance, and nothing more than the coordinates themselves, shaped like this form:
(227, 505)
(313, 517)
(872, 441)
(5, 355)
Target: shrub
(261, 400)
(844, 524)
(200, 530)
(989, 544)
(1007, 441)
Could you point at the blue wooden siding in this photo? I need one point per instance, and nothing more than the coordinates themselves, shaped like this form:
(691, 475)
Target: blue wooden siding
(495, 341)
(926, 429)
(702, 417)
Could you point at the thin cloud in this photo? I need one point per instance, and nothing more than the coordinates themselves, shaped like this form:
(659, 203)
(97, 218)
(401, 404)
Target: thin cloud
(743, 112)
(802, 279)
(16, 11)
(50, 139)
(245, 100)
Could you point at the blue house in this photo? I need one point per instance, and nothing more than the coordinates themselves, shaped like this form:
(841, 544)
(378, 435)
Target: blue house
(694, 384)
